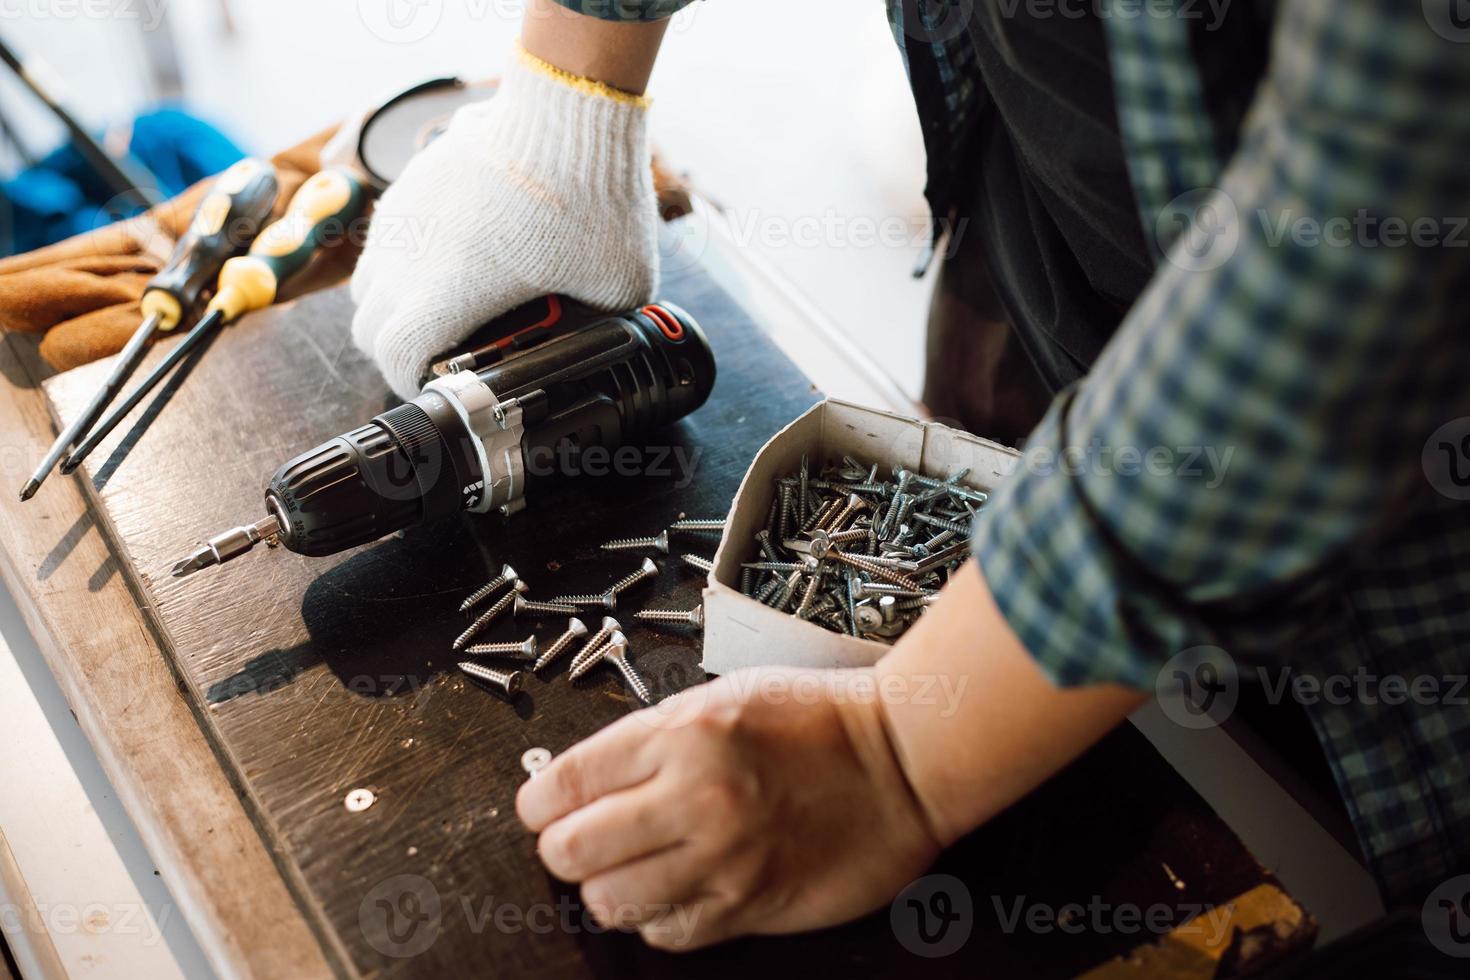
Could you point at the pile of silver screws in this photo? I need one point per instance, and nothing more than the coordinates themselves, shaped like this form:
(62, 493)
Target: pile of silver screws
(607, 646)
(857, 554)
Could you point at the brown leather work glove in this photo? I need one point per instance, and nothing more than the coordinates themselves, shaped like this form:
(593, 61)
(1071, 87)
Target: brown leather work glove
(83, 293)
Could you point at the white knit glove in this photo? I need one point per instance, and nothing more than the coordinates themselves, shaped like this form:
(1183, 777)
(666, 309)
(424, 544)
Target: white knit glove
(545, 188)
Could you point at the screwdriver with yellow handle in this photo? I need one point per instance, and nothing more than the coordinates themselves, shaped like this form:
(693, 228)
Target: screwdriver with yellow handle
(227, 220)
(324, 206)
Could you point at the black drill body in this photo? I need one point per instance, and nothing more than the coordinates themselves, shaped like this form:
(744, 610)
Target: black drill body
(609, 383)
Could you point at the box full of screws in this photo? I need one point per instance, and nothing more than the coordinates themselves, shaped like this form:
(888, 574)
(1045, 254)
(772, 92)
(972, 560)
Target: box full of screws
(844, 529)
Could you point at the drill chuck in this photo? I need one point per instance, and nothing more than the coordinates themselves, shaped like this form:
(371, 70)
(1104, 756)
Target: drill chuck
(464, 444)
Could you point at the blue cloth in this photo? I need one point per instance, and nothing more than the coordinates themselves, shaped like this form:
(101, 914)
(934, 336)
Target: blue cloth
(61, 196)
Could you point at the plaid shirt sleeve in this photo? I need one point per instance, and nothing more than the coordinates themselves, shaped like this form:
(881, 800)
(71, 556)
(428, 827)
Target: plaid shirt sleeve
(627, 10)
(1308, 329)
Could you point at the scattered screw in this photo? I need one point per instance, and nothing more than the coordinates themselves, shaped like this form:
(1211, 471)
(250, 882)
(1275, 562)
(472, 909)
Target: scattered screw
(617, 655)
(646, 571)
(580, 669)
(608, 600)
(691, 617)
(525, 607)
(524, 650)
(659, 542)
(517, 589)
(505, 683)
(694, 525)
(948, 525)
(534, 760)
(575, 629)
(507, 574)
(694, 561)
(609, 627)
(359, 800)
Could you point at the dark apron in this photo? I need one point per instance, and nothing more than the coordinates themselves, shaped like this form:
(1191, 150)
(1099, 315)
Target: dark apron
(1052, 246)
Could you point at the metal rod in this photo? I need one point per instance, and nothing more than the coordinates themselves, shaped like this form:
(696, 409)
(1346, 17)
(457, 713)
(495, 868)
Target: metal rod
(127, 362)
(120, 411)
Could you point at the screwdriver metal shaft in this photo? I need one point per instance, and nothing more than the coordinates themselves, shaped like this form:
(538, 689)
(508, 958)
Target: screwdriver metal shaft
(119, 412)
(127, 361)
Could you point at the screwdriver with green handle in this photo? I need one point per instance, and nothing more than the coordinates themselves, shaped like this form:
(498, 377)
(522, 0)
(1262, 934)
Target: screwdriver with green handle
(228, 219)
(326, 204)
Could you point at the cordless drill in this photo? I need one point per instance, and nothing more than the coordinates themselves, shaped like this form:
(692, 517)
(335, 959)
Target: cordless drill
(464, 443)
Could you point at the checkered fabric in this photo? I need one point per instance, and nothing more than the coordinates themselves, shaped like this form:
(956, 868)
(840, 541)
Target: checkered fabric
(1306, 330)
(1266, 458)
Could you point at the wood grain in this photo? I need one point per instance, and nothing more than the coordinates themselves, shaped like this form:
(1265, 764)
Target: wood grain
(126, 699)
(316, 677)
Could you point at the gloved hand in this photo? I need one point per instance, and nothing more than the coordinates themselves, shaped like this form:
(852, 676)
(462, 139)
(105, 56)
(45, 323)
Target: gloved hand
(546, 188)
(82, 294)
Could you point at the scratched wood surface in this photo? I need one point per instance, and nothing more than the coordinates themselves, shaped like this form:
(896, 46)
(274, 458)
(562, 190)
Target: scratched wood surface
(317, 677)
(69, 584)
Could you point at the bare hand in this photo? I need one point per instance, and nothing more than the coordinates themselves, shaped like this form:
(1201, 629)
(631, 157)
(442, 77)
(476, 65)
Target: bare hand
(764, 802)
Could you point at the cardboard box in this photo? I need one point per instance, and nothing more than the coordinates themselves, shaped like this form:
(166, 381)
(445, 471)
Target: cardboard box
(740, 632)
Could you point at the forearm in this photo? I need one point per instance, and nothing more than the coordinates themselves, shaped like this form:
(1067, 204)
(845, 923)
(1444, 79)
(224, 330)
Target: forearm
(617, 53)
(1005, 729)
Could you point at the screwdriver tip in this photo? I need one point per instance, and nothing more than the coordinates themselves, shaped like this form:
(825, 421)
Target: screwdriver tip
(69, 465)
(29, 490)
(200, 559)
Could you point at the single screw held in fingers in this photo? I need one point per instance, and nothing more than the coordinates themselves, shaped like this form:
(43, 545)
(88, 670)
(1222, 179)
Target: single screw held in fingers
(646, 571)
(659, 542)
(525, 607)
(507, 574)
(691, 617)
(507, 683)
(579, 670)
(694, 561)
(608, 600)
(524, 650)
(575, 629)
(493, 613)
(609, 627)
(697, 525)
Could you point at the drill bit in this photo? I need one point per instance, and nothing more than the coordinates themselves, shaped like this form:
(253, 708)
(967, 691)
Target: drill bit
(229, 545)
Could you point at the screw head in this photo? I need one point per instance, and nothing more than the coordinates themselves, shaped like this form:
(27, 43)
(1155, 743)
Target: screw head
(514, 683)
(359, 800)
(510, 574)
(534, 760)
(520, 587)
(610, 624)
(650, 566)
(576, 627)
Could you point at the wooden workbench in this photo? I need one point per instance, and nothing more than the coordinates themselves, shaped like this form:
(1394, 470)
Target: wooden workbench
(233, 711)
